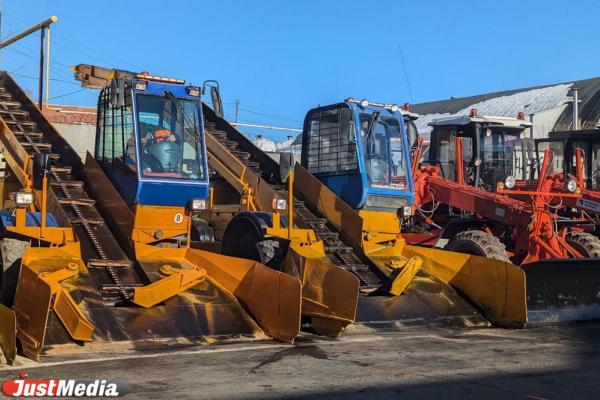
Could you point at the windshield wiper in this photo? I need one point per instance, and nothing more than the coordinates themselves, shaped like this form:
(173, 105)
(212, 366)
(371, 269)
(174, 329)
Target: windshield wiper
(374, 119)
(180, 109)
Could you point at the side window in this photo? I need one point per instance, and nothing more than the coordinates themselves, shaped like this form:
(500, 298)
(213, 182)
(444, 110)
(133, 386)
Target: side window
(573, 167)
(115, 143)
(595, 172)
(446, 152)
(330, 141)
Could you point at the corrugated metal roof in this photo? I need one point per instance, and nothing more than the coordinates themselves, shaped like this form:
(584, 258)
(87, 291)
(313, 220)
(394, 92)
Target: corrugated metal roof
(529, 100)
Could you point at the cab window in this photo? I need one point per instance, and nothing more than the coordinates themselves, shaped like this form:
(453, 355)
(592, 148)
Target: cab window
(329, 142)
(169, 132)
(115, 130)
(383, 148)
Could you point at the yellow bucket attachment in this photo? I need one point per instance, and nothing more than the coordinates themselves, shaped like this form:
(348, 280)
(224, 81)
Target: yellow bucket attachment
(39, 290)
(8, 334)
(496, 287)
(329, 293)
(272, 298)
(175, 281)
(405, 274)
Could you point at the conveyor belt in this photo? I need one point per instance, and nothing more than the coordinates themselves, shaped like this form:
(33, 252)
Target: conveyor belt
(114, 274)
(338, 252)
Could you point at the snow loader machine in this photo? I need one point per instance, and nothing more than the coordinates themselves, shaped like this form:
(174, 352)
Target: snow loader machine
(99, 252)
(344, 204)
(467, 201)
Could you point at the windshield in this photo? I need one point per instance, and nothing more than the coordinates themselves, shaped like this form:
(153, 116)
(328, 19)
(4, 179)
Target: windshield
(558, 155)
(384, 156)
(501, 155)
(169, 138)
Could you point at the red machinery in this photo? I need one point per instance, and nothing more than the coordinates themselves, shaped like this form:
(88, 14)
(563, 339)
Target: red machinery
(572, 167)
(458, 207)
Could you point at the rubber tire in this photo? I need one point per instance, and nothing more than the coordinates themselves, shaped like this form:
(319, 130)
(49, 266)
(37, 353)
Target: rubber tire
(12, 251)
(244, 238)
(585, 243)
(478, 243)
(240, 239)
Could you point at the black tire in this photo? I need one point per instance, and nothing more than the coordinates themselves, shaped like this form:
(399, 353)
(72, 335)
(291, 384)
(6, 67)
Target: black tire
(245, 238)
(478, 243)
(585, 243)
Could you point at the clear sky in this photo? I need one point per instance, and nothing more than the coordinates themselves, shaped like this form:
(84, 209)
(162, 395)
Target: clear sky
(280, 58)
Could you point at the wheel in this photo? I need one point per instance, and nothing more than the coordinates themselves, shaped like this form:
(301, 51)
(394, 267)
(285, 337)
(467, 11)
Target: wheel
(585, 243)
(12, 251)
(478, 243)
(244, 238)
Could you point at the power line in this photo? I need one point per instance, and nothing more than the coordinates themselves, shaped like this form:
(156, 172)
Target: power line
(67, 94)
(66, 39)
(269, 115)
(52, 79)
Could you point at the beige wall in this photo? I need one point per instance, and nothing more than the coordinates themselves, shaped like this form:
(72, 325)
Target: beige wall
(81, 137)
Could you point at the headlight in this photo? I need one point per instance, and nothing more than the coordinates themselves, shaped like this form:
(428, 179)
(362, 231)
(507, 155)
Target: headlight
(477, 162)
(198, 204)
(509, 182)
(193, 91)
(279, 204)
(23, 199)
(572, 186)
(141, 85)
(364, 103)
(395, 108)
(405, 211)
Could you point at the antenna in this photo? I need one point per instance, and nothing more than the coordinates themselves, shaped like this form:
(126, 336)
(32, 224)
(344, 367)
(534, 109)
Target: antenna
(405, 74)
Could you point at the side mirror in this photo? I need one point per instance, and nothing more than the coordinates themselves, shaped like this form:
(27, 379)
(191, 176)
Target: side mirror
(286, 164)
(215, 96)
(41, 165)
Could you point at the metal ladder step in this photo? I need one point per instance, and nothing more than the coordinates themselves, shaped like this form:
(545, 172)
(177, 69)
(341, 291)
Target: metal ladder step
(17, 122)
(41, 145)
(60, 169)
(67, 184)
(35, 135)
(337, 249)
(76, 202)
(91, 221)
(10, 103)
(18, 112)
(96, 263)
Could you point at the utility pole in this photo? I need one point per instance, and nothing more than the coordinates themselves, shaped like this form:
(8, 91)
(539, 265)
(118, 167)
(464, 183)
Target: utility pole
(41, 82)
(237, 109)
(42, 26)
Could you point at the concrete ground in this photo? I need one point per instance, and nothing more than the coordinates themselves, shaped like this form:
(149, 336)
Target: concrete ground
(549, 362)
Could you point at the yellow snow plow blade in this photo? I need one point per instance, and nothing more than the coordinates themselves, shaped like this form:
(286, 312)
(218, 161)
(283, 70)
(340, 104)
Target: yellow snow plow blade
(239, 297)
(271, 297)
(496, 287)
(8, 333)
(329, 293)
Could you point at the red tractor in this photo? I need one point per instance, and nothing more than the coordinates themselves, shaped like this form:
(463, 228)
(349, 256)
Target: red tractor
(458, 206)
(570, 163)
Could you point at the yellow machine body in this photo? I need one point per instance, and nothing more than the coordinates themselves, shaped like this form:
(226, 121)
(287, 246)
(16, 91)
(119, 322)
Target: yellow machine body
(168, 291)
(497, 287)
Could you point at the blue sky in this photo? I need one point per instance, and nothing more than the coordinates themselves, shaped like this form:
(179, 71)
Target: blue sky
(281, 58)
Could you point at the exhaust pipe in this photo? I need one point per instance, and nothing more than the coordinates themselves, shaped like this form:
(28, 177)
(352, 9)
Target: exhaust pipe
(575, 96)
